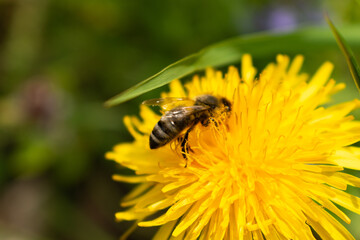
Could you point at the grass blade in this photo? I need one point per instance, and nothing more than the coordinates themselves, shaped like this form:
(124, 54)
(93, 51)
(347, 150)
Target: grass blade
(230, 51)
(345, 48)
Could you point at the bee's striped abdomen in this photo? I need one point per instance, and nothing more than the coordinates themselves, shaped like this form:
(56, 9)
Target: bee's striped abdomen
(159, 136)
(168, 128)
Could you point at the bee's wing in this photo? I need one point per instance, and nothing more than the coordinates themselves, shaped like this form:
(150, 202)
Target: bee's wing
(185, 111)
(168, 102)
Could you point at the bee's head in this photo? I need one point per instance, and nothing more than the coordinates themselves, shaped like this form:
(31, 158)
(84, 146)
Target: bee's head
(214, 102)
(207, 100)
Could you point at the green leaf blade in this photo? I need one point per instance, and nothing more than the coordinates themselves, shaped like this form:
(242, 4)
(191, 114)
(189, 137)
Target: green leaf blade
(348, 53)
(230, 51)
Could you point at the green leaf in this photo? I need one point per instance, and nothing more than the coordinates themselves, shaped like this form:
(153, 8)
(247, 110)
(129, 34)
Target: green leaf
(345, 48)
(230, 51)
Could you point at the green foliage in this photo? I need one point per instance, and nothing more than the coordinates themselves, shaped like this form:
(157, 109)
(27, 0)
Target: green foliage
(230, 51)
(349, 55)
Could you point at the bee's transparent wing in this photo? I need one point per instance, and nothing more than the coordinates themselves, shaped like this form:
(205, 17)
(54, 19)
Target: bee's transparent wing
(186, 111)
(168, 102)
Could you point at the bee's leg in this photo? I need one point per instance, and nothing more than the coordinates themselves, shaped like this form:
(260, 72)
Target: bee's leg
(185, 148)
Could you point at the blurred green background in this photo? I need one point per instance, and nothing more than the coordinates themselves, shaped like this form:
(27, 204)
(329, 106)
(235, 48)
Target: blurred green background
(59, 62)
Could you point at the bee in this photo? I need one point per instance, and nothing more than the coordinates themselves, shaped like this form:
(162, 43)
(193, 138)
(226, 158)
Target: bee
(184, 118)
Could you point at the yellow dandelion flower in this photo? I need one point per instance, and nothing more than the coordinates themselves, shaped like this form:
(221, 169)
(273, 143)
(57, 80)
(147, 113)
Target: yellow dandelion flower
(273, 169)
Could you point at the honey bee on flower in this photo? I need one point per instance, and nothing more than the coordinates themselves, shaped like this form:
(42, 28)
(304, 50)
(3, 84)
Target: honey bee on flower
(184, 118)
(272, 169)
